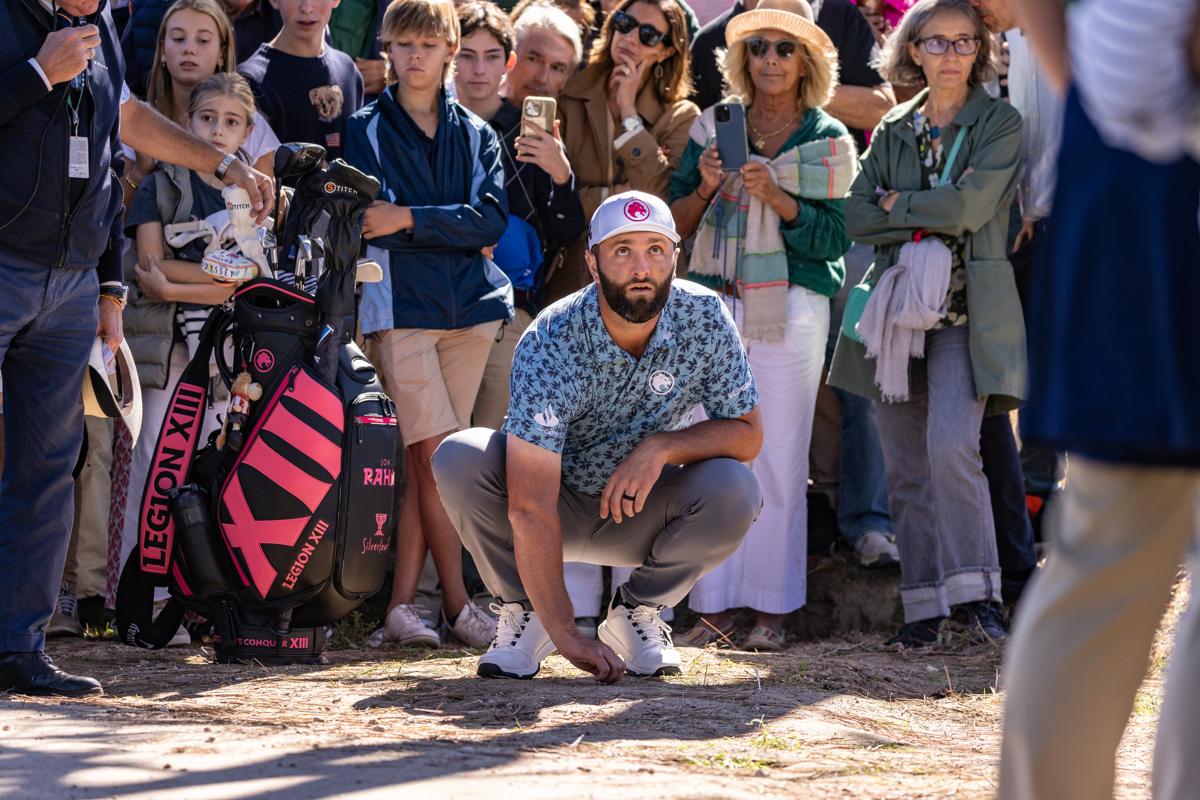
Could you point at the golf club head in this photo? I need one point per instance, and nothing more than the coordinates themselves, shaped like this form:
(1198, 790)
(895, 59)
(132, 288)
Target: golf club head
(368, 271)
(297, 158)
(341, 175)
(306, 247)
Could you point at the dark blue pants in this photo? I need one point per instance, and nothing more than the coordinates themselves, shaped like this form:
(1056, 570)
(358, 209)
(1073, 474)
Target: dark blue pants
(1006, 485)
(48, 322)
(1038, 462)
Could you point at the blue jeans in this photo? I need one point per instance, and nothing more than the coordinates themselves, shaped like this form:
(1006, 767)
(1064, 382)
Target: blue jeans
(48, 322)
(862, 483)
(938, 492)
(862, 487)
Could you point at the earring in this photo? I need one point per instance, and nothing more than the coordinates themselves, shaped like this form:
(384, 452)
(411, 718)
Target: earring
(658, 71)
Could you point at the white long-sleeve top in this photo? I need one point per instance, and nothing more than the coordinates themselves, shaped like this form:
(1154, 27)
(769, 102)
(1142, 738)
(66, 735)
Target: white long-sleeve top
(1129, 63)
(1041, 109)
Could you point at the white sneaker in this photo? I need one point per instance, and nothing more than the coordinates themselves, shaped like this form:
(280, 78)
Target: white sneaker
(65, 620)
(473, 627)
(641, 638)
(877, 549)
(404, 627)
(519, 646)
(182, 638)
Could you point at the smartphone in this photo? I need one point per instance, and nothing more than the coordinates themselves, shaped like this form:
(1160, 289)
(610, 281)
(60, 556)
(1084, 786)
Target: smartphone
(539, 111)
(732, 142)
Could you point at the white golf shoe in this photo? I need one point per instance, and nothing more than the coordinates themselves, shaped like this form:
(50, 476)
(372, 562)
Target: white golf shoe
(639, 636)
(519, 646)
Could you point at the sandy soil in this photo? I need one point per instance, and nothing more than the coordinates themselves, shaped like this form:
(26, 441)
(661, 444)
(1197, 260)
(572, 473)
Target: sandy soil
(829, 719)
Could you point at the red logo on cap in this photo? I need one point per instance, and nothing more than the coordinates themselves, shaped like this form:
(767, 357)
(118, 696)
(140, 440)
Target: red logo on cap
(637, 211)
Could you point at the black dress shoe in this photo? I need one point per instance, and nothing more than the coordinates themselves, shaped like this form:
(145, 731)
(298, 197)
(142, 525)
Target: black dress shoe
(35, 673)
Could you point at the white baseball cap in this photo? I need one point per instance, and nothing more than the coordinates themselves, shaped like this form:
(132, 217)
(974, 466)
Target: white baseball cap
(631, 211)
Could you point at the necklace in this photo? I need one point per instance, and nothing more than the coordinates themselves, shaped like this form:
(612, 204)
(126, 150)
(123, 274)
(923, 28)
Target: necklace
(760, 138)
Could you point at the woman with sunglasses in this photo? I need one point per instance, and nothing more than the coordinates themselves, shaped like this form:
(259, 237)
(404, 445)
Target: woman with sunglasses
(773, 246)
(625, 116)
(945, 164)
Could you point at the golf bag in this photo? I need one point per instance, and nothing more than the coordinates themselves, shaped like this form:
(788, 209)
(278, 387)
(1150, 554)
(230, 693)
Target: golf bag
(282, 522)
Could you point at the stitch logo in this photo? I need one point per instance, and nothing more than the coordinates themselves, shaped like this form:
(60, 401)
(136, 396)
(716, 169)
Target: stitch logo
(264, 360)
(662, 382)
(637, 211)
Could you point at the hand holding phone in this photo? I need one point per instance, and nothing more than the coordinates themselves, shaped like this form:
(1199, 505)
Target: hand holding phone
(539, 142)
(538, 112)
(732, 140)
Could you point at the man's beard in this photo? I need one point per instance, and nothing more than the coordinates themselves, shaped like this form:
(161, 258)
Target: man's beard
(637, 311)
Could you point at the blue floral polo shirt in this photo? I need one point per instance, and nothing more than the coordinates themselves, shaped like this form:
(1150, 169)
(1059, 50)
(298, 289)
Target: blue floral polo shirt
(576, 393)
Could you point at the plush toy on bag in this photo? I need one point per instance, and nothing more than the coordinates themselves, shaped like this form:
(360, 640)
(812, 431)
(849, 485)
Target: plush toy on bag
(243, 392)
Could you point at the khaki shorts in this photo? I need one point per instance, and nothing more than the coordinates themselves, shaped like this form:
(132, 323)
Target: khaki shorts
(433, 375)
(491, 404)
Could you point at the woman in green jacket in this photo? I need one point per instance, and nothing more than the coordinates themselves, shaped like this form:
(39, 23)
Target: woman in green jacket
(974, 356)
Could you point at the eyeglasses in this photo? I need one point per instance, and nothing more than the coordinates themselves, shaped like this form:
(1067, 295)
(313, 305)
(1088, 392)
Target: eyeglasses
(760, 47)
(648, 35)
(938, 45)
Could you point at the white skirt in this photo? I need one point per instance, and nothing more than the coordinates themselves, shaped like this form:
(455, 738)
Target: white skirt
(767, 571)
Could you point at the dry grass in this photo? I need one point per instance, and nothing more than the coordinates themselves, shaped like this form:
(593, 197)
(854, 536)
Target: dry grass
(841, 718)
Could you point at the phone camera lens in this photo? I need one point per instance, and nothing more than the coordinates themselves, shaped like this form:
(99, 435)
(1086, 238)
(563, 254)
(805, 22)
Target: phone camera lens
(722, 114)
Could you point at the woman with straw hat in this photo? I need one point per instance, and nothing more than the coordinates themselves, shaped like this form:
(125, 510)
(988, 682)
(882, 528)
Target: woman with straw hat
(770, 237)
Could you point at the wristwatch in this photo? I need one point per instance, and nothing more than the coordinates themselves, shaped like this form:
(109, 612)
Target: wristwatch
(223, 167)
(117, 294)
(631, 123)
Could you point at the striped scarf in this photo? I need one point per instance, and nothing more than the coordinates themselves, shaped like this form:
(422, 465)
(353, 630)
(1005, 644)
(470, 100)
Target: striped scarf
(739, 236)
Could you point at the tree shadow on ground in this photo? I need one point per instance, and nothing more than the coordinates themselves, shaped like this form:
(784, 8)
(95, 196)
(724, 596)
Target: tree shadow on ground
(427, 717)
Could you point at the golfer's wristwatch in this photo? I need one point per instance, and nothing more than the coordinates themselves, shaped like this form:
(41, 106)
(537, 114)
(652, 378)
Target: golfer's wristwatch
(223, 167)
(116, 294)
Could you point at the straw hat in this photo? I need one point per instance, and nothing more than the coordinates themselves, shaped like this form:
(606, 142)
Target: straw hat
(793, 17)
(114, 392)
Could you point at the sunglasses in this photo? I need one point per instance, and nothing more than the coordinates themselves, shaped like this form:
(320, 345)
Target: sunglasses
(760, 47)
(937, 45)
(648, 35)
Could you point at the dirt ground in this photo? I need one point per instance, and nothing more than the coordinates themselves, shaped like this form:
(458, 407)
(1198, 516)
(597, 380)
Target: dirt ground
(828, 719)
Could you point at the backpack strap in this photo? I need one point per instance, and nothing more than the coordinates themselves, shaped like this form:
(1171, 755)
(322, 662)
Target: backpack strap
(173, 191)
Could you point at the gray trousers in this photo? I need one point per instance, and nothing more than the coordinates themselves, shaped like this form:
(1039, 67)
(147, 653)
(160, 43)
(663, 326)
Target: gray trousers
(693, 519)
(941, 507)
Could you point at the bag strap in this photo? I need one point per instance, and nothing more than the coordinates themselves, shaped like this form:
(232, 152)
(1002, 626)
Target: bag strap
(169, 468)
(958, 140)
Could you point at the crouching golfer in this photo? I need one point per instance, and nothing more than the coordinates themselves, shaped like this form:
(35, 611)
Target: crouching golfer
(596, 461)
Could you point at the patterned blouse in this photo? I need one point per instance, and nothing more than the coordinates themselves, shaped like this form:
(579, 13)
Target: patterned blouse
(933, 156)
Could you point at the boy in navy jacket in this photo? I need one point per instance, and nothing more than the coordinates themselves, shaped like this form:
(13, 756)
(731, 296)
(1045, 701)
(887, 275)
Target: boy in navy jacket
(436, 313)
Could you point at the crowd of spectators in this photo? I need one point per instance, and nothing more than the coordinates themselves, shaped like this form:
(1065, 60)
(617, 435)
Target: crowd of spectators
(925, 118)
